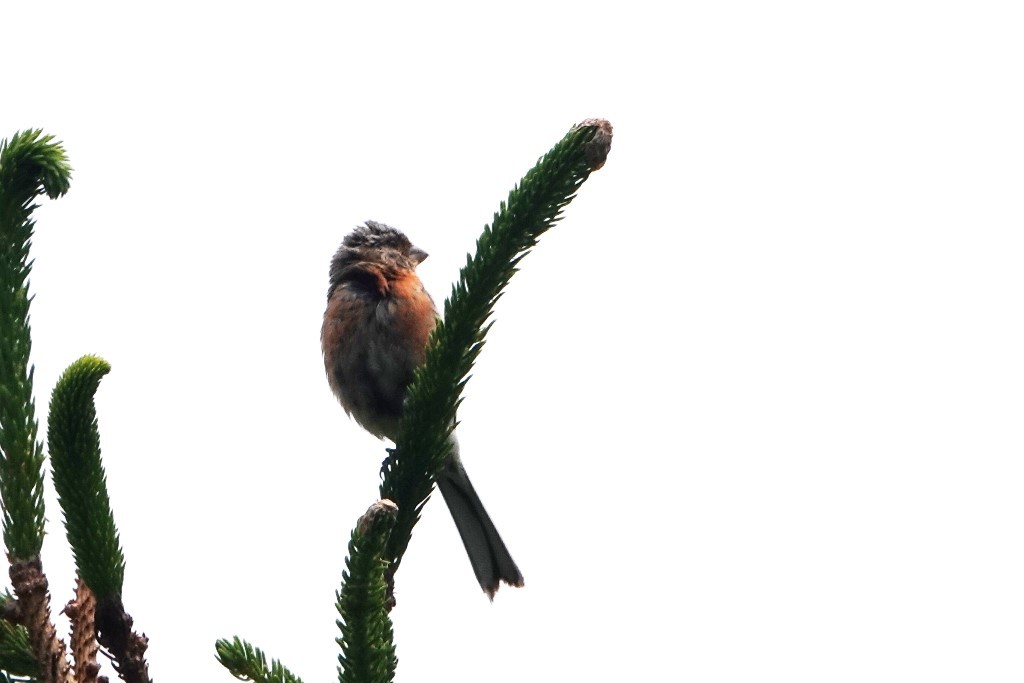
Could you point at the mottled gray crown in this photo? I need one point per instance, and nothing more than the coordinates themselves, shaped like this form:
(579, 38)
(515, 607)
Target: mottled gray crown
(376, 235)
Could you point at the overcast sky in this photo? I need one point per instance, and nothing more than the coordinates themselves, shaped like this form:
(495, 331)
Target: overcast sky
(751, 412)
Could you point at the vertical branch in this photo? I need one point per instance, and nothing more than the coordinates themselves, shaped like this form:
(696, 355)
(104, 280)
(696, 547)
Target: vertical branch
(30, 164)
(533, 207)
(73, 438)
(79, 478)
(367, 638)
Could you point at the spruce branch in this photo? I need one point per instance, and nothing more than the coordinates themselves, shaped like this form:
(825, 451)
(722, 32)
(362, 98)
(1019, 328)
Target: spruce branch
(15, 652)
(30, 164)
(248, 663)
(532, 207)
(74, 443)
(367, 638)
(367, 641)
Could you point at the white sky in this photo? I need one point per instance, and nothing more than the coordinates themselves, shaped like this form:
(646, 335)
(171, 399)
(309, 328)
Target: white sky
(752, 411)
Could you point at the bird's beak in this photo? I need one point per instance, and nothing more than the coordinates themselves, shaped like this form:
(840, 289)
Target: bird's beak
(418, 255)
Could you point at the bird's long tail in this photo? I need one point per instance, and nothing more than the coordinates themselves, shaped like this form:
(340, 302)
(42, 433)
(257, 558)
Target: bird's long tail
(491, 560)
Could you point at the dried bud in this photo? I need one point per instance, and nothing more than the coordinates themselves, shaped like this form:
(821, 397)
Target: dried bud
(375, 514)
(596, 151)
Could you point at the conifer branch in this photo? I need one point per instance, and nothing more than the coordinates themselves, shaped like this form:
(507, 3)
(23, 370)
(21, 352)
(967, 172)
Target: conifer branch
(74, 443)
(30, 164)
(532, 207)
(15, 652)
(248, 663)
(367, 638)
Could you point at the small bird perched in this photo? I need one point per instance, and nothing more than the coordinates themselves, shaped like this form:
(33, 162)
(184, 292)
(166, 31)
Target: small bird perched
(378, 320)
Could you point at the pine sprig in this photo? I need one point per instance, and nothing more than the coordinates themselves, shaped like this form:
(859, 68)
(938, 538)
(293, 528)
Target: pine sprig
(15, 651)
(533, 207)
(74, 443)
(248, 663)
(30, 164)
(367, 638)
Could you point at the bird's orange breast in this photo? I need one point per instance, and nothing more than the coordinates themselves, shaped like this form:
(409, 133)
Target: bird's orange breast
(414, 312)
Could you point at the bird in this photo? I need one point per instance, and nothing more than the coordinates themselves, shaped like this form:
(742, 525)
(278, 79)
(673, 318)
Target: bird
(375, 331)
